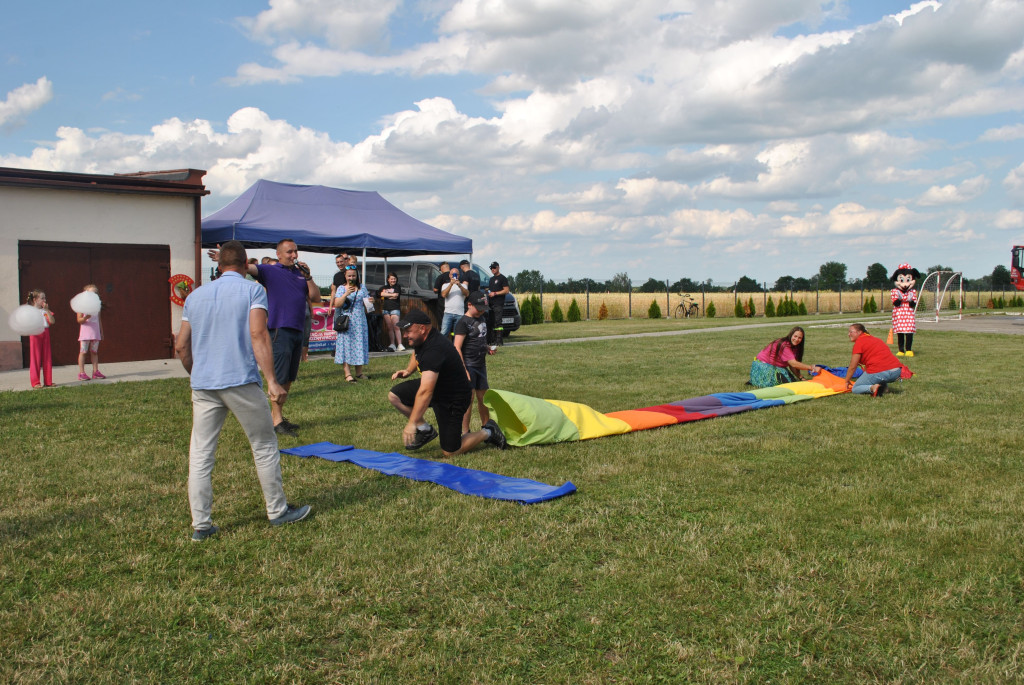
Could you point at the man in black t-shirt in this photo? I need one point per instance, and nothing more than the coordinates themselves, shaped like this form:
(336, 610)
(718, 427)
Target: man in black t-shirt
(497, 289)
(443, 386)
(471, 343)
(469, 277)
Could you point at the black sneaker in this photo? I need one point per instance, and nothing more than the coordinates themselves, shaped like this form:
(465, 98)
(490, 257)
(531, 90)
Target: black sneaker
(293, 426)
(422, 437)
(284, 429)
(497, 437)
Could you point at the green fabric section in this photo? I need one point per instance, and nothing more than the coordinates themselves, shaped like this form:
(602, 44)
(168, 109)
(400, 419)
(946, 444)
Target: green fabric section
(778, 392)
(796, 398)
(529, 420)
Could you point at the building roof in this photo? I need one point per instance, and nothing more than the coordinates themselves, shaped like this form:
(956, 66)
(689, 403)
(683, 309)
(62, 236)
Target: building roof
(186, 182)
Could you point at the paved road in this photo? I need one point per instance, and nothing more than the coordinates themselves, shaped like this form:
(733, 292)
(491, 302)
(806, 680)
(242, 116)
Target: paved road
(171, 368)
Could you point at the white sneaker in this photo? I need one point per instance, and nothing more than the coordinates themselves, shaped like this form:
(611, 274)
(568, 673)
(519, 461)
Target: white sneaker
(494, 348)
(401, 347)
(391, 348)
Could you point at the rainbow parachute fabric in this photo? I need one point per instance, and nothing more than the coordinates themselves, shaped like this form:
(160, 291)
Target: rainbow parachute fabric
(531, 421)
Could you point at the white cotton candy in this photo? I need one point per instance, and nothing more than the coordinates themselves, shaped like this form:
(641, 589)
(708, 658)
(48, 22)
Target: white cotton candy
(86, 302)
(27, 320)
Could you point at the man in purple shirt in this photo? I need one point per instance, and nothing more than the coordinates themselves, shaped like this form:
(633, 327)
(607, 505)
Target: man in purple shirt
(289, 290)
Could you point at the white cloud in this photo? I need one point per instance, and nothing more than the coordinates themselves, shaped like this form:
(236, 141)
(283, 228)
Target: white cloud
(954, 194)
(1014, 183)
(1003, 133)
(1009, 219)
(24, 100)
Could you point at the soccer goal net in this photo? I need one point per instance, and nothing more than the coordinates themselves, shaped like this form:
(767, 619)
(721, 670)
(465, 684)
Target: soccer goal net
(941, 296)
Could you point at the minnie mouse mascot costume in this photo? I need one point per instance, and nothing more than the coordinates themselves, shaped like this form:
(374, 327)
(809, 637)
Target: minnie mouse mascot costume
(904, 301)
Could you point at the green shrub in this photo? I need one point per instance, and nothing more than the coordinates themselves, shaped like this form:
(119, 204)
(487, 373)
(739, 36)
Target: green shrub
(654, 311)
(749, 309)
(870, 306)
(769, 309)
(538, 309)
(802, 310)
(737, 309)
(710, 311)
(556, 313)
(526, 312)
(574, 311)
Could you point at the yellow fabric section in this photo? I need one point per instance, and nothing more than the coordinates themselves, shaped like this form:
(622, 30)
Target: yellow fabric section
(590, 423)
(807, 388)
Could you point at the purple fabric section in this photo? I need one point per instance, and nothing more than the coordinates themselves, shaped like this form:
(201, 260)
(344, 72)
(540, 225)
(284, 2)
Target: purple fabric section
(286, 295)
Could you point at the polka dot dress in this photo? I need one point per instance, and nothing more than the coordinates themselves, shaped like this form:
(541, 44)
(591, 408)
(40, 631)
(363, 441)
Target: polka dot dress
(903, 316)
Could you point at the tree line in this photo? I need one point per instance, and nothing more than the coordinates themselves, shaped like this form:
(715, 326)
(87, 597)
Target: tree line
(830, 276)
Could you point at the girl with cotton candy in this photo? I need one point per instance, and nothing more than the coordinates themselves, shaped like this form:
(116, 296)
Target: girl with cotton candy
(86, 306)
(39, 357)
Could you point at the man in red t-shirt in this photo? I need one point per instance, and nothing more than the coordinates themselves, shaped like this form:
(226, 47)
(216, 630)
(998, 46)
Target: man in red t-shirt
(881, 366)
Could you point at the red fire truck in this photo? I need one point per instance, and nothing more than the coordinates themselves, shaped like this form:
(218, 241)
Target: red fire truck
(1017, 267)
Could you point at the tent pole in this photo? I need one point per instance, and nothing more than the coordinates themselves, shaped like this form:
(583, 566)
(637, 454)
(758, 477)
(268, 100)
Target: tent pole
(363, 279)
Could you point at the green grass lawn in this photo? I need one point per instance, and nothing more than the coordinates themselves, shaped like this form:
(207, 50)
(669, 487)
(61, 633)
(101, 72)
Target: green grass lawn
(839, 540)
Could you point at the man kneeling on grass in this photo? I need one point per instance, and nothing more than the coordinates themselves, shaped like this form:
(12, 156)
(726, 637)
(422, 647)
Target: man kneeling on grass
(443, 385)
(881, 366)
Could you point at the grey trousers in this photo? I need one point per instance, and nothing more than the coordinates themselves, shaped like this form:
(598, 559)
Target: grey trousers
(209, 409)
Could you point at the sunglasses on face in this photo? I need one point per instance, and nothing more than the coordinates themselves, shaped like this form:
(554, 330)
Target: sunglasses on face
(350, 268)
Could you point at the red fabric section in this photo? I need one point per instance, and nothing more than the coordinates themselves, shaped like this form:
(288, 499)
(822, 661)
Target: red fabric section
(639, 419)
(679, 413)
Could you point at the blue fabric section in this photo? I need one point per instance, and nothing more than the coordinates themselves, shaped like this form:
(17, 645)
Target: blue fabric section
(461, 480)
(841, 371)
(735, 399)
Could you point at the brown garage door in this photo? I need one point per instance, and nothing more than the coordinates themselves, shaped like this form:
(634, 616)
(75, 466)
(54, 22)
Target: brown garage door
(133, 285)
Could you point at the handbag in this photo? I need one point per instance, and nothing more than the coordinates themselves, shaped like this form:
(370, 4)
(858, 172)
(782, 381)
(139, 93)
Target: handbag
(340, 321)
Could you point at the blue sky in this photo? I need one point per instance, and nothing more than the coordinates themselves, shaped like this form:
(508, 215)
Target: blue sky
(580, 138)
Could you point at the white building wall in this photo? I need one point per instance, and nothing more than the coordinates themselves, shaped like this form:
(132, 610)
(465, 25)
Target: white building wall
(76, 216)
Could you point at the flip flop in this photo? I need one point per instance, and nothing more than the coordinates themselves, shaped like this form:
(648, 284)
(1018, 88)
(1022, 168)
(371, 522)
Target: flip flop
(350, 379)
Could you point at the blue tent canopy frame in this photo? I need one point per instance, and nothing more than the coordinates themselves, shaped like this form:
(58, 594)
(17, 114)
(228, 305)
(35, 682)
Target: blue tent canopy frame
(323, 219)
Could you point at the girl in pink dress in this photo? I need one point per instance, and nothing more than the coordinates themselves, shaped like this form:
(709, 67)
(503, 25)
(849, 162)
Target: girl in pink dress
(90, 332)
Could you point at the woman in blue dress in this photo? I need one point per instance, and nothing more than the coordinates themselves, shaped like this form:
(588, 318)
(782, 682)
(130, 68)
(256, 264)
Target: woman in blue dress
(353, 346)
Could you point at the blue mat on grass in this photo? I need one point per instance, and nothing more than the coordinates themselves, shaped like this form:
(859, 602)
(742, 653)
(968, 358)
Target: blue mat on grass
(457, 478)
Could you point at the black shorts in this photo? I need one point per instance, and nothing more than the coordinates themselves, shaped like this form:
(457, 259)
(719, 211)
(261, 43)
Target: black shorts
(478, 377)
(286, 344)
(448, 414)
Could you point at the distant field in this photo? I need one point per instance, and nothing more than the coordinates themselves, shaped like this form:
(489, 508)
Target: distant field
(620, 305)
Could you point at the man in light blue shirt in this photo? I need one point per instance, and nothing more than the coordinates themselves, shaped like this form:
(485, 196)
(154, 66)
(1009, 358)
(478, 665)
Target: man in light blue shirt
(224, 344)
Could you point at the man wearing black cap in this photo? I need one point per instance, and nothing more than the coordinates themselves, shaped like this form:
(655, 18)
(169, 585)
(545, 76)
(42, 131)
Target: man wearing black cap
(471, 344)
(469, 277)
(443, 385)
(497, 289)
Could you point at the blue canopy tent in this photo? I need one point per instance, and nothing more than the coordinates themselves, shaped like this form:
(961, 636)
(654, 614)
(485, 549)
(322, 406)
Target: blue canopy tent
(322, 219)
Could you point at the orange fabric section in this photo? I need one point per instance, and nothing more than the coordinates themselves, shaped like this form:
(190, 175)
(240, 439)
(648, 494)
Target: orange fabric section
(831, 382)
(642, 420)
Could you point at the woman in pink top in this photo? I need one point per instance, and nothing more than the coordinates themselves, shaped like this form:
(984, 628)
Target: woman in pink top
(781, 361)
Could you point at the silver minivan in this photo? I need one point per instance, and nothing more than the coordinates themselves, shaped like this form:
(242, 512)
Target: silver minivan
(417, 280)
